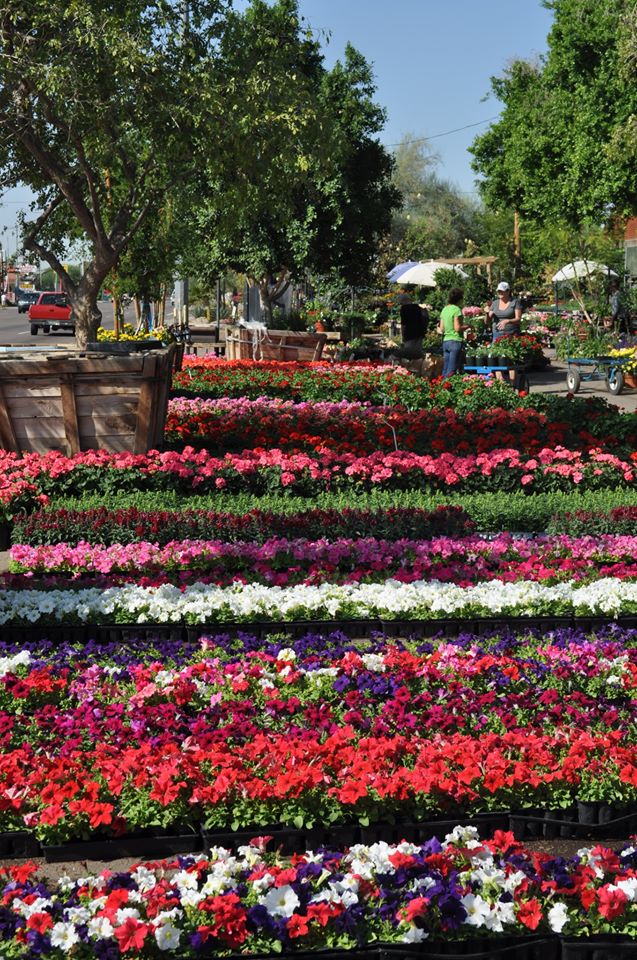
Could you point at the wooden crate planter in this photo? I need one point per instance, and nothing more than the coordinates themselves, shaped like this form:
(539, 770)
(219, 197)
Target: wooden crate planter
(245, 344)
(84, 401)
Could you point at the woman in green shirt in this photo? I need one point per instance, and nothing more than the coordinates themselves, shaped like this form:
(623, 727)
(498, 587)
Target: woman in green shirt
(452, 329)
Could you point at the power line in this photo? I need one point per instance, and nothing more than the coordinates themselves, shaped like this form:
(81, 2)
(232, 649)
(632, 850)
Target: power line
(435, 136)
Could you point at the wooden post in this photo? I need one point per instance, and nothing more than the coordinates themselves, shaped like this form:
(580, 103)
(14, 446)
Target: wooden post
(115, 302)
(114, 297)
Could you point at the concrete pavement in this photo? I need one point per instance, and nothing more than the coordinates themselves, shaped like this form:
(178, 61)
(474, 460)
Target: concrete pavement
(553, 380)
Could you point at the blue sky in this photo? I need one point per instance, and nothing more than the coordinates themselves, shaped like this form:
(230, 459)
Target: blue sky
(432, 60)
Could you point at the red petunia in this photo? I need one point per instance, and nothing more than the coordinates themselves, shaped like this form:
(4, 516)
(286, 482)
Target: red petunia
(131, 935)
(611, 903)
(530, 913)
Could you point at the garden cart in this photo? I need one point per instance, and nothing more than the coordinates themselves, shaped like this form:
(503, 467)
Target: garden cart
(595, 368)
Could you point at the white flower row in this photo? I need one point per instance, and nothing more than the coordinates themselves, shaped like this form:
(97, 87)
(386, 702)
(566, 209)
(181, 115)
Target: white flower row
(205, 603)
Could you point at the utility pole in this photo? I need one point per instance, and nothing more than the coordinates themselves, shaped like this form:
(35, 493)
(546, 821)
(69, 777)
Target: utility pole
(180, 309)
(517, 253)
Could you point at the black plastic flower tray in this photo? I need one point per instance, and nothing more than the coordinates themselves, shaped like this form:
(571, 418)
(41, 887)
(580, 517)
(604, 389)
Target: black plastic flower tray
(423, 830)
(596, 821)
(606, 947)
(542, 947)
(152, 846)
(19, 845)
(508, 947)
(115, 632)
(118, 632)
(285, 839)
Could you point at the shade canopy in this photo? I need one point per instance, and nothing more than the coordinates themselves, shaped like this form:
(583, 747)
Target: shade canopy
(579, 269)
(422, 274)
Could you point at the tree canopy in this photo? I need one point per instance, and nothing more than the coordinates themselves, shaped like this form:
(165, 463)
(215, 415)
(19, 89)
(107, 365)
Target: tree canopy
(319, 194)
(101, 107)
(123, 117)
(561, 148)
(435, 218)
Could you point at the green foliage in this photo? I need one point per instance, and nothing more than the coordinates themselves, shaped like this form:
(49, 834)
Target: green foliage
(579, 339)
(562, 148)
(435, 219)
(587, 522)
(475, 288)
(492, 512)
(315, 191)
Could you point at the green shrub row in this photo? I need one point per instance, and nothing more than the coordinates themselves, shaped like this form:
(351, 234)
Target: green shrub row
(105, 525)
(491, 512)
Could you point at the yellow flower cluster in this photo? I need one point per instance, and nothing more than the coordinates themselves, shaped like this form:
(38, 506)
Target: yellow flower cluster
(127, 332)
(628, 355)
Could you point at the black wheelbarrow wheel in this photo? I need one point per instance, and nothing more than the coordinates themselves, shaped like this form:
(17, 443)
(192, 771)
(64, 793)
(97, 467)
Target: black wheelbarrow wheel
(573, 378)
(615, 380)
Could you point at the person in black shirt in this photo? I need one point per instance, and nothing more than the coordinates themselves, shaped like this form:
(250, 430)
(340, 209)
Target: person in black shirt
(413, 326)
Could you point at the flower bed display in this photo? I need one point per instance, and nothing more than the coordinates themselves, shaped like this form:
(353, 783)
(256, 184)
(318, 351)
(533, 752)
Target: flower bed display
(370, 383)
(112, 741)
(283, 562)
(304, 474)
(621, 520)
(457, 890)
(238, 424)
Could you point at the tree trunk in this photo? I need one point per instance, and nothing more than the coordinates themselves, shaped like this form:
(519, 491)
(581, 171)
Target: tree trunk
(87, 317)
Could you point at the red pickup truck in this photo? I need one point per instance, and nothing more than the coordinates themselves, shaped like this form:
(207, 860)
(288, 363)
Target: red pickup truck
(51, 312)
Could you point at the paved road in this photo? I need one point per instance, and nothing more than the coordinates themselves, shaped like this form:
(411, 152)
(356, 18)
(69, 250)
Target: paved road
(14, 327)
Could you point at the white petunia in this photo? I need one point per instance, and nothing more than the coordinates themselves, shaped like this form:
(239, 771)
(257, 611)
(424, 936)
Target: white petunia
(478, 910)
(558, 917)
(414, 935)
(167, 937)
(64, 936)
(280, 901)
(100, 928)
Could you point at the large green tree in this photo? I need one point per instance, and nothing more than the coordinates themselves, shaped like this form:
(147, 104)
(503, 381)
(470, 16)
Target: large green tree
(103, 104)
(318, 195)
(559, 150)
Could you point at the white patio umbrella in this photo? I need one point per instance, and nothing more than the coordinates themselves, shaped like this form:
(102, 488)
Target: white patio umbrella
(422, 274)
(579, 269)
(396, 271)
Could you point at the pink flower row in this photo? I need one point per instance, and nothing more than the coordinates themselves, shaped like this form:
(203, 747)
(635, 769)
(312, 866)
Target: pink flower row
(507, 468)
(281, 561)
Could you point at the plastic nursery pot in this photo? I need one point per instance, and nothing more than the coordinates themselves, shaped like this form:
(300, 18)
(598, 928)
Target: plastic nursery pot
(526, 823)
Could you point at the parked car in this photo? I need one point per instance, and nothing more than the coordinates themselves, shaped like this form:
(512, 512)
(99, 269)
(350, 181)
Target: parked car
(51, 312)
(26, 298)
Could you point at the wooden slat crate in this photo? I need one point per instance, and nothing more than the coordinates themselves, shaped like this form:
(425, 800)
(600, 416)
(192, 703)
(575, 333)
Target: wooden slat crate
(84, 401)
(245, 344)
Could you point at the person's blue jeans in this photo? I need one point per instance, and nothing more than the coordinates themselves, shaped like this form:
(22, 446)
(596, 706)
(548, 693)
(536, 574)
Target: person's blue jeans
(451, 357)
